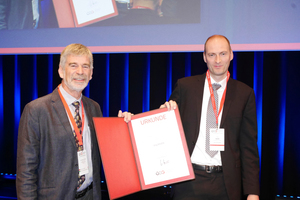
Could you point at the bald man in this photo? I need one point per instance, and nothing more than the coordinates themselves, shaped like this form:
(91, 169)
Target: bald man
(219, 118)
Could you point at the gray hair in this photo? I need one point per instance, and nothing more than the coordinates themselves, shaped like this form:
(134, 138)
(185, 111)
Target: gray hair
(77, 50)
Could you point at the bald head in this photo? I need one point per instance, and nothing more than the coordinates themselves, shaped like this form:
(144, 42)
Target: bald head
(152, 4)
(217, 56)
(216, 37)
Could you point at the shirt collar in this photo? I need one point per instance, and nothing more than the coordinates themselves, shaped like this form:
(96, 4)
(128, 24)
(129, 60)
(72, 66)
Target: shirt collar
(68, 98)
(223, 82)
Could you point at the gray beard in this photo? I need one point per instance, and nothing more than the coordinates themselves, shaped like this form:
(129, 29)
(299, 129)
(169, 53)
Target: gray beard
(74, 88)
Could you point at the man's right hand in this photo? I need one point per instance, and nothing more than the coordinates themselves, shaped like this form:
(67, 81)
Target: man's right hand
(171, 105)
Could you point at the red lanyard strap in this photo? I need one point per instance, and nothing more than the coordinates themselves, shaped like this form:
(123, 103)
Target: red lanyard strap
(141, 7)
(213, 101)
(76, 129)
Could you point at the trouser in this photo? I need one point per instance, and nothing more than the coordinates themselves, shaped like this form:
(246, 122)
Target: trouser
(205, 186)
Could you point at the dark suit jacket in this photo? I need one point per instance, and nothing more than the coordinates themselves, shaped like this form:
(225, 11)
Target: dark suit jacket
(240, 159)
(47, 164)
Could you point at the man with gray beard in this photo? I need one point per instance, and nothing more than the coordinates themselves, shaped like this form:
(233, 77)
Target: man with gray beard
(58, 155)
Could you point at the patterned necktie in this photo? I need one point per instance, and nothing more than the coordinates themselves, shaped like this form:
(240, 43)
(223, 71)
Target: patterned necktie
(211, 119)
(78, 122)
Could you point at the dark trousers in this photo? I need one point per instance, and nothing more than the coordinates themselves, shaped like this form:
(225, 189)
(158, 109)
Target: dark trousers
(205, 186)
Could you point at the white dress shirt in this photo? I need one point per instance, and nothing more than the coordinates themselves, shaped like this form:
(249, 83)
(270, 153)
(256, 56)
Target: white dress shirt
(199, 155)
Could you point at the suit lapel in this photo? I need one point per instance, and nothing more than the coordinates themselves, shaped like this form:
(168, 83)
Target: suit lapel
(88, 114)
(228, 99)
(199, 95)
(62, 115)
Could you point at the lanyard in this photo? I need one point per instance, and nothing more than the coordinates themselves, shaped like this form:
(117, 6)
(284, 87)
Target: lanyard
(76, 129)
(141, 7)
(213, 101)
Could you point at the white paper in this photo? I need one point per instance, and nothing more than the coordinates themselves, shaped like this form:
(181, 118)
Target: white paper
(88, 10)
(159, 147)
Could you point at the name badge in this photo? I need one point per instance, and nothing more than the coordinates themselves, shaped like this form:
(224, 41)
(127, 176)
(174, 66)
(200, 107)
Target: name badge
(82, 162)
(217, 139)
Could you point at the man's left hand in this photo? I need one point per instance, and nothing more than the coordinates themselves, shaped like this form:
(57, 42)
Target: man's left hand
(126, 115)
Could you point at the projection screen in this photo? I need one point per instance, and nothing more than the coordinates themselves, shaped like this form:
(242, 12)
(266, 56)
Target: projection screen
(106, 26)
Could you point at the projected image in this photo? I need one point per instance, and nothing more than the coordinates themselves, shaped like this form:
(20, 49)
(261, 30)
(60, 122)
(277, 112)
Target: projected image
(145, 12)
(79, 13)
(15, 14)
(43, 26)
(34, 14)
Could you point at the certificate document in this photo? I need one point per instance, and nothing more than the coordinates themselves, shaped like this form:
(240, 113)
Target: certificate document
(150, 151)
(89, 11)
(159, 147)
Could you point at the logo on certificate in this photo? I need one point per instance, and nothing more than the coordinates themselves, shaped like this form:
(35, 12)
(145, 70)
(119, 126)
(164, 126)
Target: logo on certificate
(160, 172)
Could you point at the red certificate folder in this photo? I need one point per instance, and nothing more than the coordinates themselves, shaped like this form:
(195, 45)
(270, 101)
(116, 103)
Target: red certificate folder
(63, 13)
(74, 13)
(125, 153)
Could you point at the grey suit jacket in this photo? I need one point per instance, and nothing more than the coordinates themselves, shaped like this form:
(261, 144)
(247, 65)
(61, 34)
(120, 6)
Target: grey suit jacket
(240, 159)
(47, 164)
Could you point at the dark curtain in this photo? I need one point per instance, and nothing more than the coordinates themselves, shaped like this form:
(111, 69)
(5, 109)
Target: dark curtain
(139, 82)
